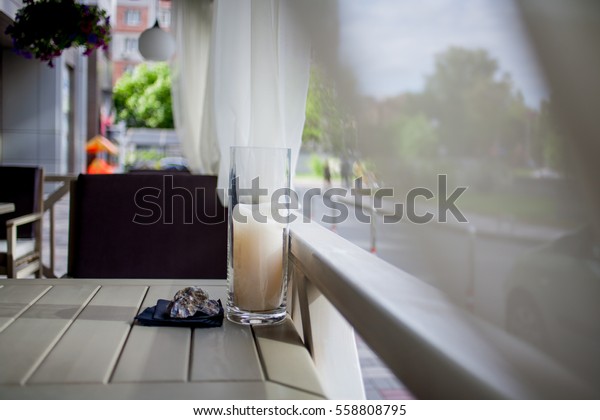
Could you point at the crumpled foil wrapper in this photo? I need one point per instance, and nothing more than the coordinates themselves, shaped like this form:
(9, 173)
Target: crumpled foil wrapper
(191, 300)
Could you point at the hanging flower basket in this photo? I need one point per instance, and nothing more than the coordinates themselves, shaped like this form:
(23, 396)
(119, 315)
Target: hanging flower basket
(45, 28)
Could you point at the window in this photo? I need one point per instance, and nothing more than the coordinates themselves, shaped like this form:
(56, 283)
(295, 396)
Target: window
(164, 18)
(132, 17)
(131, 45)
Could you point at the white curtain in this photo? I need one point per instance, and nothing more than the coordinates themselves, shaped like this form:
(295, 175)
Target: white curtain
(255, 86)
(192, 28)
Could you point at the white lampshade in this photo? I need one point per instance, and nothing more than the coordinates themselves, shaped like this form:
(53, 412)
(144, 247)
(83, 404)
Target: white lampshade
(155, 44)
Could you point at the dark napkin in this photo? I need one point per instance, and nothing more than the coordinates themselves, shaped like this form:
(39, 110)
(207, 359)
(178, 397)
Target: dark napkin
(159, 316)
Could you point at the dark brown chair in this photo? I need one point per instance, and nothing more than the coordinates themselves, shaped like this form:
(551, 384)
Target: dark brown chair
(147, 226)
(21, 232)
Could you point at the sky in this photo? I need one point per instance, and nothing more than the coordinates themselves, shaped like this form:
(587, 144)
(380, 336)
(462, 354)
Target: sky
(391, 44)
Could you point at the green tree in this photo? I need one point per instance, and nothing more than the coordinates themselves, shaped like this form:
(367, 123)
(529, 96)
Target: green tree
(474, 103)
(550, 140)
(415, 137)
(143, 98)
(325, 125)
(313, 124)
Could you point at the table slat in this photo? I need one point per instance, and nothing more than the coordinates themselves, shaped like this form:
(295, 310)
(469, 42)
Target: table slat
(236, 343)
(155, 353)
(15, 299)
(74, 339)
(157, 391)
(88, 351)
(38, 329)
(237, 358)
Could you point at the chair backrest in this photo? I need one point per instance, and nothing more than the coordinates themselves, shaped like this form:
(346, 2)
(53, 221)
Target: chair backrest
(147, 226)
(23, 186)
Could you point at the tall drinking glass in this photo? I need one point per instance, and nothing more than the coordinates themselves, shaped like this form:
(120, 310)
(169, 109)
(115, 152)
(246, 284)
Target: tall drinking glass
(259, 183)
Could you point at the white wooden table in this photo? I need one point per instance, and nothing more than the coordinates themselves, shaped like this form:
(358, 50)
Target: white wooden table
(76, 339)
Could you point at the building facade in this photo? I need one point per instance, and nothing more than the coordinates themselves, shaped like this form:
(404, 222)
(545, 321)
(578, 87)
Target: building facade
(132, 18)
(47, 114)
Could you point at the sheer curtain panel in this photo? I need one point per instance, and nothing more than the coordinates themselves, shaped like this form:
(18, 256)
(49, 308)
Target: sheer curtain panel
(247, 86)
(192, 27)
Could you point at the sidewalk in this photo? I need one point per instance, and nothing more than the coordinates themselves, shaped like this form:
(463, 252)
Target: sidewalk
(61, 233)
(379, 382)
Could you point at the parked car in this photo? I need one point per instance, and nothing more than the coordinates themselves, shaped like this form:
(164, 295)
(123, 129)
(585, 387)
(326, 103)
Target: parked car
(553, 301)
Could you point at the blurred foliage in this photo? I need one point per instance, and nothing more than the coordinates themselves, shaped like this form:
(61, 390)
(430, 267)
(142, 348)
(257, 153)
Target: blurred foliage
(142, 98)
(317, 164)
(414, 136)
(469, 117)
(477, 108)
(549, 142)
(313, 125)
(326, 126)
(144, 159)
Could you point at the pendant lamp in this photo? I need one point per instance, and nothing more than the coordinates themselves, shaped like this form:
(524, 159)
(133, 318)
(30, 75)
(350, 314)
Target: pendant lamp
(156, 44)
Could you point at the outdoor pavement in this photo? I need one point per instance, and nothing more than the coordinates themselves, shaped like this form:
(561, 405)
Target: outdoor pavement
(379, 382)
(61, 220)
